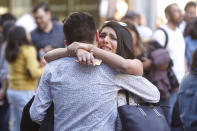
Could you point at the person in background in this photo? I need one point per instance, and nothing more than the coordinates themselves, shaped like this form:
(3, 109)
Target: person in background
(4, 106)
(144, 31)
(7, 21)
(190, 14)
(6, 17)
(175, 39)
(27, 21)
(48, 34)
(191, 42)
(155, 70)
(187, 97)
(172, 37)
(140, 48)
(24, 72)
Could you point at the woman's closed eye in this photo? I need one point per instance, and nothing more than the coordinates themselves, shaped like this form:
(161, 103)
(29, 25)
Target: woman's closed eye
(112, 37)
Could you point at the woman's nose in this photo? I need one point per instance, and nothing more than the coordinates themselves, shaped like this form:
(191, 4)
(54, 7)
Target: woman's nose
(106, 39)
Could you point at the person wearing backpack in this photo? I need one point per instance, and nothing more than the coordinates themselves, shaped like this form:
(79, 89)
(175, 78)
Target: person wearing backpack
(170, 37)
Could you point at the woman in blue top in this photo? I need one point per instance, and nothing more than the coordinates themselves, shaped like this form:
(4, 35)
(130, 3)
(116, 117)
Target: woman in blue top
(191, 41)
(188, 97)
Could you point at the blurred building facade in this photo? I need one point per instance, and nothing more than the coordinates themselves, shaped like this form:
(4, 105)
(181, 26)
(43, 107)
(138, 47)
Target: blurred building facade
(151, 10)
(60, 8)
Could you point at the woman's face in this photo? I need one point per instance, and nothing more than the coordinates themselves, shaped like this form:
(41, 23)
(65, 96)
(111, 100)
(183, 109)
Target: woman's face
(108, 40)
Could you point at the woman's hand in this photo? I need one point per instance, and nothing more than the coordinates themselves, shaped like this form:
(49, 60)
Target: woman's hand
(43, 62)
(72, 49)
(85, 57)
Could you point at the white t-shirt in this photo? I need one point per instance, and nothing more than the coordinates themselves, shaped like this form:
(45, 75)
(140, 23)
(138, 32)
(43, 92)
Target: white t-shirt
(182, 26)
(175, 47)
(27, 21)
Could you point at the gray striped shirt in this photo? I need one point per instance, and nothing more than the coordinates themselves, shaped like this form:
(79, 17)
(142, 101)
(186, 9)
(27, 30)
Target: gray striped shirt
(3, 63)
(84, 96)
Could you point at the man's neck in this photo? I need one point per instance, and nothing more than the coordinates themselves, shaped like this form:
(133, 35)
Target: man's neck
(49, 27)
(171, 25)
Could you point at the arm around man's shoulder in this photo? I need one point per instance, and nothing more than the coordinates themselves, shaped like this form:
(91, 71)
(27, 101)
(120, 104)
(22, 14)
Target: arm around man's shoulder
(139, 86)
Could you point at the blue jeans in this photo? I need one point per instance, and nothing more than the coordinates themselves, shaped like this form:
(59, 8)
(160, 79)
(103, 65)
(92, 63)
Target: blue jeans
(17, 100)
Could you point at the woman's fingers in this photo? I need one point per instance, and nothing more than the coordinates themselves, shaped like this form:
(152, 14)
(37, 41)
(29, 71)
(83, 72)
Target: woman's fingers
(92, 59)
(85, 57)
(80, 59)
(88, 57)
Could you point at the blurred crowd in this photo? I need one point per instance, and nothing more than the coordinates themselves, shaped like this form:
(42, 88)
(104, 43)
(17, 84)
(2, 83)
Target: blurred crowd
(168, 55)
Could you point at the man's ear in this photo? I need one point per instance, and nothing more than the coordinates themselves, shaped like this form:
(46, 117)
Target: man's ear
(66, 43)
(167, 16)
(97, 36)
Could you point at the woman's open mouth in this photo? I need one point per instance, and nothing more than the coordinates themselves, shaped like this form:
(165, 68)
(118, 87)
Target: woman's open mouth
(107, 48)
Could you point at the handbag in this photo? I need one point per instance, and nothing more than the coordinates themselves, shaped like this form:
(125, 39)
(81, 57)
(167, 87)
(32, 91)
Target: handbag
(142, 117)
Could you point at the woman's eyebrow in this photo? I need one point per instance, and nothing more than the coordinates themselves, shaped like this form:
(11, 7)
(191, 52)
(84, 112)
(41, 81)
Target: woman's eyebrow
(113, 35)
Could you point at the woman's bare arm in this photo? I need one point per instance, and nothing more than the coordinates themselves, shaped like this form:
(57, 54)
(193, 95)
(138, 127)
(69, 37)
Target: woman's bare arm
(130, 66)
(55, 54)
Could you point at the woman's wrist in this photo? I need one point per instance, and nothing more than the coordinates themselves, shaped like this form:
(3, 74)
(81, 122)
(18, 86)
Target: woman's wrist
(91, 48)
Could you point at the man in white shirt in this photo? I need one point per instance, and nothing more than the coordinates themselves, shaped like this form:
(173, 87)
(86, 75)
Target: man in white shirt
(27, 21)
(176, 44)
(175, 47)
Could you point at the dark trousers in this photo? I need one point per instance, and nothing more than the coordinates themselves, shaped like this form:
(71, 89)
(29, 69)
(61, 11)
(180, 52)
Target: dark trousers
(4, 115)
(28, 125)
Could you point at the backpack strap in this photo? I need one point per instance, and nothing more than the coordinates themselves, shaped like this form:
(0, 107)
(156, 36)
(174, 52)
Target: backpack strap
(166, 35)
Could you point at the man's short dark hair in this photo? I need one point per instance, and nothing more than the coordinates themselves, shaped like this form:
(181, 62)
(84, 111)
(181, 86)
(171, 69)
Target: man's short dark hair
(192, 29)
(131, 15)
(79, 27)
(42, 5)
(190, 4)
(168, 9)
(7, 17)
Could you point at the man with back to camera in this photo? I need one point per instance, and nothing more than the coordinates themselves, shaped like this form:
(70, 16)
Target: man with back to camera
(48, 34)
(84, 97)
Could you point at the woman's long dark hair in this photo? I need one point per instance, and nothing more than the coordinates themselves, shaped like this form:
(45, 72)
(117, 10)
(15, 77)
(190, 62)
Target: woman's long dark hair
(16, 37)
(124, 39)
(190, 29)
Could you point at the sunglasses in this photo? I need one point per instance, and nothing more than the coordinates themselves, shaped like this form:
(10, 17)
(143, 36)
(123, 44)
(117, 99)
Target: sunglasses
(120, 23)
